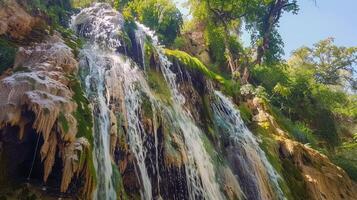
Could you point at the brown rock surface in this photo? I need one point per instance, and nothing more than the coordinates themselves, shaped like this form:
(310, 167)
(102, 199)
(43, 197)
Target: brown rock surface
(39, 84)
(14, 20)
(323, 179)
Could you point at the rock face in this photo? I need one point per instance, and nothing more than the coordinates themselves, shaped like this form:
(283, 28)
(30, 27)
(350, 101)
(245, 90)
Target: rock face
(323, 179)
(313, 172)
(14, 20)
(39, 85)
(151, 146)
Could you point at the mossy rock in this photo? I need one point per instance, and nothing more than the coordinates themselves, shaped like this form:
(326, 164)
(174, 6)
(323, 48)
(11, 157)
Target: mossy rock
(158, 85)
(7, 54)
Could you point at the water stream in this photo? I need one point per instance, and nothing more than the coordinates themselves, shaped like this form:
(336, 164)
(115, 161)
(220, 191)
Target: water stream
(256, 174)
(116, 85)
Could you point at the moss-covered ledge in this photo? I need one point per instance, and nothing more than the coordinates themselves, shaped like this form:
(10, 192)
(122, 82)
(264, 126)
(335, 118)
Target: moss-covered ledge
(229, 87)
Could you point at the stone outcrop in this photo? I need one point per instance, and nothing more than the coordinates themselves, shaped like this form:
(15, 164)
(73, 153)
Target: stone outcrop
(320, 178)
(323, 180)
(14, 20)
(39, 85)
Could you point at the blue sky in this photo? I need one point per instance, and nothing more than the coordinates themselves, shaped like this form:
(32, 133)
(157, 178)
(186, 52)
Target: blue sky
(328, 18)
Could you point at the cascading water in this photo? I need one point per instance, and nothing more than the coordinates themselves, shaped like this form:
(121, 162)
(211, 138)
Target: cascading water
(200, 172)
(255, 172)
(98, 23)
(96, 91)
(115, 85)
(106, 73)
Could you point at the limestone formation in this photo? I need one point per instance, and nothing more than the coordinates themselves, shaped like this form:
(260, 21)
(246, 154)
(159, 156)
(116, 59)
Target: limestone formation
(323, 179)
(15, 21)
(39, 84)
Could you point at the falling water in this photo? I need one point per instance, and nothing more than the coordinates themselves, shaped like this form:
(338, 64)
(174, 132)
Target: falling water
(200, 172)
(107, 72)
(95, 89)
(111, 77)
(254, 167)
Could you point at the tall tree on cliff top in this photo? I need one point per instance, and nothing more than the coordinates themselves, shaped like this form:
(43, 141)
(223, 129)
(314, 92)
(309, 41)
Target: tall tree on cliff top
(264, 24)
(261, 18)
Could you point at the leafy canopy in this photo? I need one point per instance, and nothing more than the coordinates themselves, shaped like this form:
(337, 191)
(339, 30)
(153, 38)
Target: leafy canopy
(161, 16)
(330, 64)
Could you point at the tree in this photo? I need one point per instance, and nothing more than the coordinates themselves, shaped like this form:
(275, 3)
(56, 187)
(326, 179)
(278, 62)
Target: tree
(331, 64)
(261, 17)
(264, 23)
(228, 14)
(161, 16)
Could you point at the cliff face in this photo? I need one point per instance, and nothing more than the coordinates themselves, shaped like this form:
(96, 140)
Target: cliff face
(37, 122)
(120, 120)
(322, 179)
(303, 168)
(15, 21)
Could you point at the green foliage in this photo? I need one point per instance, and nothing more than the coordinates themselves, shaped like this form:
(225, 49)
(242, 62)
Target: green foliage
(262, 20)
(179, 43)
(81, 3)
(7, 54)
(297, 130)
(270, 76)
(161, 16)
(245, 113)
(345, 157)
(304, 101)
(330, 64)
(282, 90)
(214, 37)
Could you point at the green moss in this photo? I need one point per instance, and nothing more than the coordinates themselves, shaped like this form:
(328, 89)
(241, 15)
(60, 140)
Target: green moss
(63, 122)
(230, 87)
(83, 115)
(7, 54)
(208, 119)
(215, 156)
(158, 85)
(270, 147)
(245, 113)
(118, 184)
(147, 107)
(195, 63)
(349, 165)
(295, 180)
(70, 39)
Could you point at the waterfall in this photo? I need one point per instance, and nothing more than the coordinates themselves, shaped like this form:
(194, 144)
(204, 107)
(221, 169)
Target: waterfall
(200, 172)
(100, 25)
(107, 74)
(116, 86)
(95, 89)
(255, 172)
